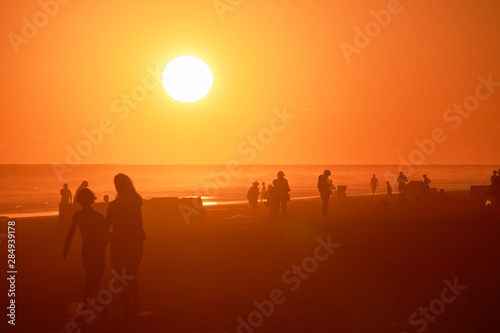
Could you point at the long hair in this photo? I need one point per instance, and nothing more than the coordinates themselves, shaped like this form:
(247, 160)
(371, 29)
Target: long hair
(125, 187)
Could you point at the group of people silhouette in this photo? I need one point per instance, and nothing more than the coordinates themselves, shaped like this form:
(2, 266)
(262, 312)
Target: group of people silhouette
(121, 228)
(276, 195)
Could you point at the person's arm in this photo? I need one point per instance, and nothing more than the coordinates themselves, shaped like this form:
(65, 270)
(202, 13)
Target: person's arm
(70, 197)
(69, 238)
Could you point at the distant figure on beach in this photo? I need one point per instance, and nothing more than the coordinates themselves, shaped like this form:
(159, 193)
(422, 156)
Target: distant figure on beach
(106, 199)
(401, 181)
(494, 190)
(95, 237)
(427, 181)
(253, 196)
(263, 192)
(126, 248)
(389, 188)
(268, 195)
(374, 184)
(66, 196)
(274, 203)
(325, 191)
(65, 207)
(84, 184)
(494, 176)
(282, 190)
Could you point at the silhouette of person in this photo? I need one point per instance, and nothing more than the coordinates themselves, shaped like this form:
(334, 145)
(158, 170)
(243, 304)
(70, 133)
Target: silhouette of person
(267, 195)
(95, 236)
(282, 190)
(389, 188)
(263, 193)
(65, 207)
(325, 191)
(66, 196)
(83, 185)
(427, 181)
(494, 190)
(253, 196)
(106, 199)
(126, 248)
(494, 176)
(374, 184)
(401, 181)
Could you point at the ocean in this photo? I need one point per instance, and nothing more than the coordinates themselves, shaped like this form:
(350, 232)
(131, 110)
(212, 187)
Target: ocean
(32, 189)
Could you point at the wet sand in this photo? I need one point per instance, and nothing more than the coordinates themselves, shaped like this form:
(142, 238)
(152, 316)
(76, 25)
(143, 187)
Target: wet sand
(201, 277)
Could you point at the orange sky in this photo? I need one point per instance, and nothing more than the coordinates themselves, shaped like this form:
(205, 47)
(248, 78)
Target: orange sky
(265, 54)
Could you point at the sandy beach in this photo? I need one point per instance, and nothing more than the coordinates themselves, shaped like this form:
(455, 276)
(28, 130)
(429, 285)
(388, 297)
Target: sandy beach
(202, 277)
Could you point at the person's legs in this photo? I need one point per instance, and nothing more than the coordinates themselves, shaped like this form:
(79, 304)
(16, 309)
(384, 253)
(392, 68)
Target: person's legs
(283, 208)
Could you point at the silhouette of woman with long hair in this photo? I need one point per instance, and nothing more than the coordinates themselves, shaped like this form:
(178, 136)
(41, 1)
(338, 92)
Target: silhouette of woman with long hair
(95, 238)
(282, 190)
(126, 248)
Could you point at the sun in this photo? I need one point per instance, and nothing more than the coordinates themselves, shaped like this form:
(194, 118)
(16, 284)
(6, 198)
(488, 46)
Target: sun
(187, 79)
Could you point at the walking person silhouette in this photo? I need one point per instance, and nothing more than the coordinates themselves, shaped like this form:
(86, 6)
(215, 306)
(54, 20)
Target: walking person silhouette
(126, 248)
(95, 237)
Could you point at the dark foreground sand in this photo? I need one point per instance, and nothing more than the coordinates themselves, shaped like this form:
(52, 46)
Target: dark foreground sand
(202, 277)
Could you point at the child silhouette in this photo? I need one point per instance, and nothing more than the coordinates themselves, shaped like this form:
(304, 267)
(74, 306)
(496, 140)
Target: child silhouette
(95, 237)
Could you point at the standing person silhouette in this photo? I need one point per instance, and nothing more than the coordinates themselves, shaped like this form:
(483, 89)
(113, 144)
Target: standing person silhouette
(76, 204)
(83, 185)
(253, 196)
(126, 248)
(65, 207)
(324, 191)
(268, 196)
(389, 188)
(494, 176)
(282, 190)
(66, 196)
(263, 192)
(401, 181)
(374, 184)
(95, 237)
